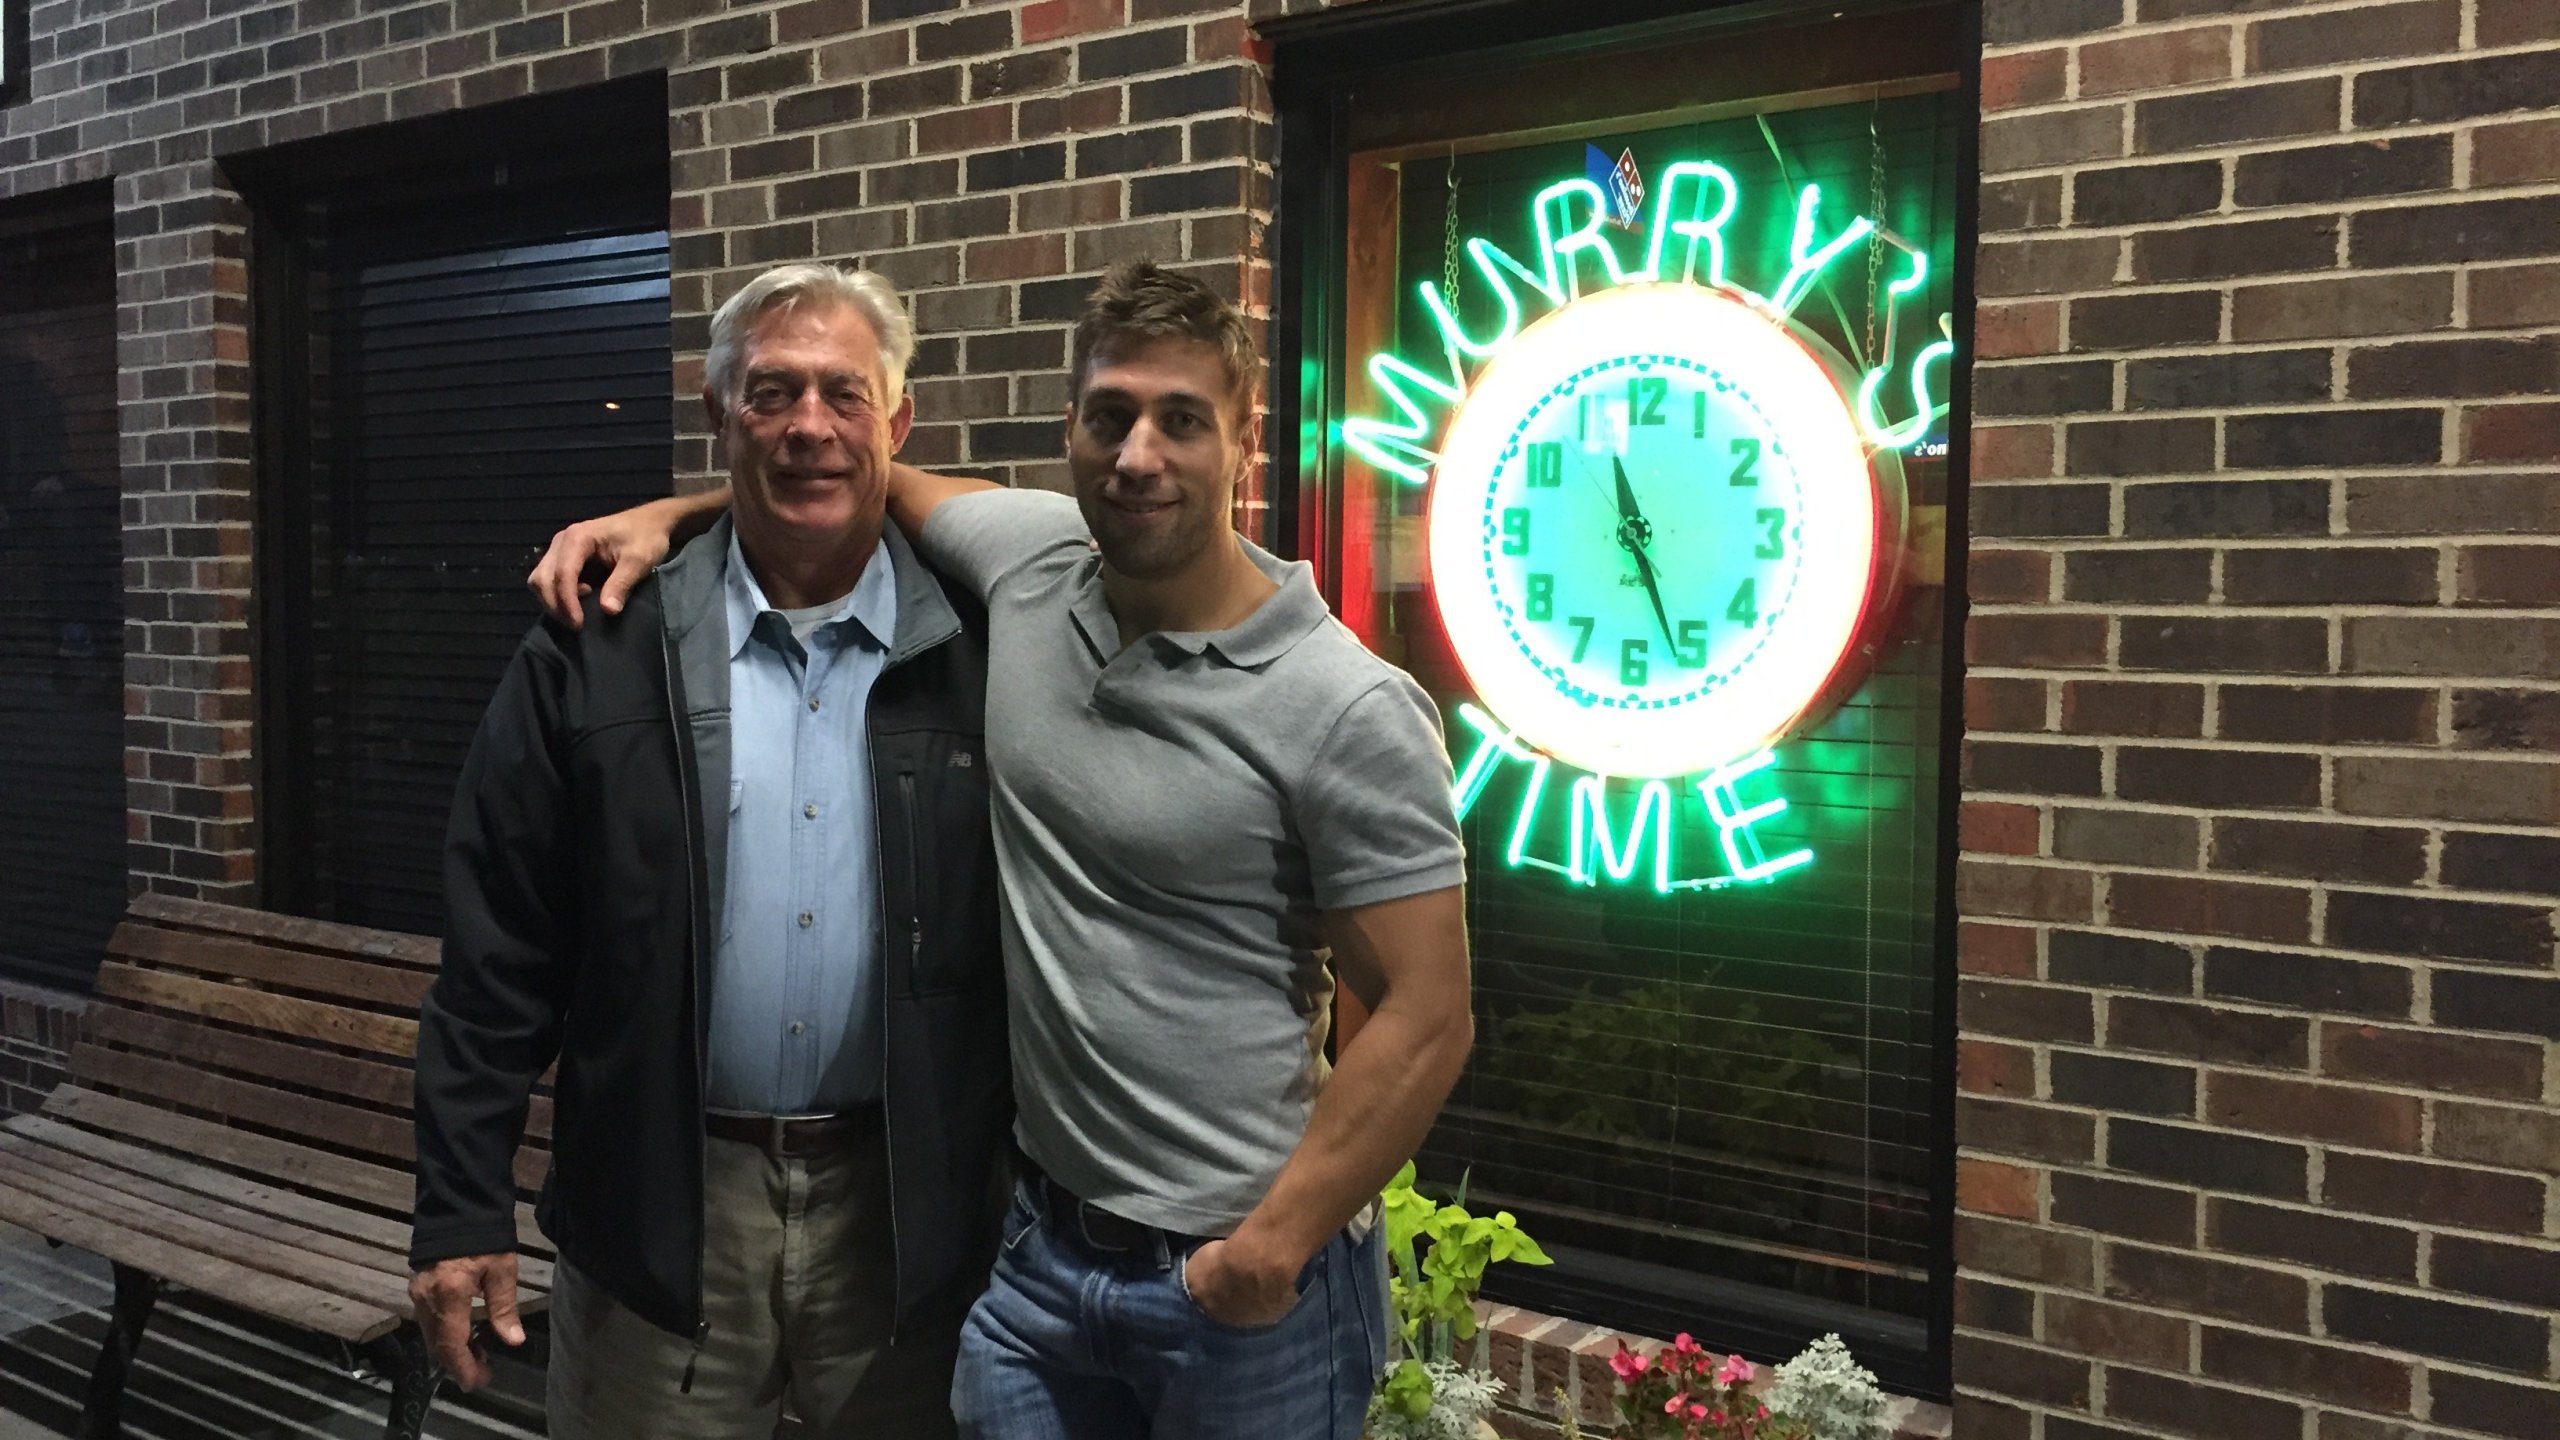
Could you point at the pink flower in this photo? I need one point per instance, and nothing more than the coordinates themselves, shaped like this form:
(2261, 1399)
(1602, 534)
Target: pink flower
(1736, 1371)
(1683, 1344)
(1627, 1365)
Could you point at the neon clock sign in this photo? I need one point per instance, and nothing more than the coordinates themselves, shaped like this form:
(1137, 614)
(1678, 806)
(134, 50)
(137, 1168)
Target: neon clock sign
(1665, 519)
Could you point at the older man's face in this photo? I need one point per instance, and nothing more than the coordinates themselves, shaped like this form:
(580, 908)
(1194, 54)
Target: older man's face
(812, 427)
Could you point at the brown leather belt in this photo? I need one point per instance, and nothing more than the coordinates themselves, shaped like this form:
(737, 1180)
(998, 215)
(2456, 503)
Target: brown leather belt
(785, 1137)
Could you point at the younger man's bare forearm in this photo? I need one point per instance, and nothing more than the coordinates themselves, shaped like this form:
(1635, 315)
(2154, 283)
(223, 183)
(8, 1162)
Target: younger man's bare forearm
(1374, 1111)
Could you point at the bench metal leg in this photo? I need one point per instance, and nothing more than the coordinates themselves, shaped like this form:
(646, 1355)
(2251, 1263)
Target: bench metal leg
(102, 1412)
(402, 1358)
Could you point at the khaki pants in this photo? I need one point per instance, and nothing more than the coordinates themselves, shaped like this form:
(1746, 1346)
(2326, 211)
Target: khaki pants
(797, 1286)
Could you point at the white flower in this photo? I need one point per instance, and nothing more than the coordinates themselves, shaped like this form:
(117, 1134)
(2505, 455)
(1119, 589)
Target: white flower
(1827, 1389)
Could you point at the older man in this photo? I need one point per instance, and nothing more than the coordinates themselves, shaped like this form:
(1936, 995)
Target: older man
(727, 859)
(1211, 801)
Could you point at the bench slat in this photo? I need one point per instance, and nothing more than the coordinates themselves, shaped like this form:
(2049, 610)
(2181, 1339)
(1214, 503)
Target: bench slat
(371, 1131)
(361, 1272)
(311, 1019)
(387, 1255)
(273, 1159)
(419, 951)
(371, 982)
(288, 1300)
(172, 1170)
(302, 1065)
(169, 1169)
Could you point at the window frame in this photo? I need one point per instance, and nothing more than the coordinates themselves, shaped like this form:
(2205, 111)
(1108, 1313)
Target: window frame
(539, 163)
(1318, 60)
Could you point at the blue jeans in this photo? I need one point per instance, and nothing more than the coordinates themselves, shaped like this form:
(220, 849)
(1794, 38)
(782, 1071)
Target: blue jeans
(1075, 1342)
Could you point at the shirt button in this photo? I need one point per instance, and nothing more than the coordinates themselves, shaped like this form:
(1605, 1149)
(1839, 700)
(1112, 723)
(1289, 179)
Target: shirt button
(807, 919)
(811, 811)
(813, 704)
(797, 1027)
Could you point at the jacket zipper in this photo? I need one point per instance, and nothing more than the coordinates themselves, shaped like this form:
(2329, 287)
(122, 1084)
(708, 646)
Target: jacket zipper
(701, 1337)
(697, 883)
(915, 945)
(915, 881)
(888, 1126)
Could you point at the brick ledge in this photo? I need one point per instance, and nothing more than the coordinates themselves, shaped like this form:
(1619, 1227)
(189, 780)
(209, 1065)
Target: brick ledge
(1535, 1355)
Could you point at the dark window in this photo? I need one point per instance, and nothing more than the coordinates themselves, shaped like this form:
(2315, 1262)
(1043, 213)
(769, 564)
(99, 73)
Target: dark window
(1721, 1110)
(14, 69)
(462, 361)
(62, 811)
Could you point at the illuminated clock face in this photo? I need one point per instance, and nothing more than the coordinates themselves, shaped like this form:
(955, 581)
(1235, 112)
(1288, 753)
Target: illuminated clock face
(1654, 531)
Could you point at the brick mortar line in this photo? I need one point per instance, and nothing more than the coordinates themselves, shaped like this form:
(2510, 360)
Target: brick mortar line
(2362, 610)
(2322, 1079)
(2312, 1404)
(2249, 544)
(2137, 28)
(2416, 470)
(2045, 1289)
(2507, 899)
(2114, 289)
(2348, 346)
(2263, 1009)
(2275, 145)
(2421, 1228)
(2348, 73)
(2392, 751)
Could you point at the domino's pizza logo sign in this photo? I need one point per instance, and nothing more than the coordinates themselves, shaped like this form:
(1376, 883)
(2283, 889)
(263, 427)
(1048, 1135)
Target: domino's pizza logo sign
(1620, 182)
(13, 50)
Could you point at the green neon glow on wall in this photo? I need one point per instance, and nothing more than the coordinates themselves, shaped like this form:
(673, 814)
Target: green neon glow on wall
(1694, 202)
(1596, 849)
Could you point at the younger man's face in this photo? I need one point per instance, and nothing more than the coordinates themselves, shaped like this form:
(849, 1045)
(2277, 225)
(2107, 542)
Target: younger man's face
(1156, 442)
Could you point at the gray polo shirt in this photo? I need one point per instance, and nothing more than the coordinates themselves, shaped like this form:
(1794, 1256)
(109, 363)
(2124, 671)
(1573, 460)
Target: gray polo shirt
(1170, 821)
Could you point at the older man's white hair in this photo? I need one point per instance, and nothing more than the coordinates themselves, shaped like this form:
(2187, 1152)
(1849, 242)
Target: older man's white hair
(789, 286)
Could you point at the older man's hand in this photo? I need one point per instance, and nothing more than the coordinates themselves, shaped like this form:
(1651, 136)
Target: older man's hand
(442, 1294)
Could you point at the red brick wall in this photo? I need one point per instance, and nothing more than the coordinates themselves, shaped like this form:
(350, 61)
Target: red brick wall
(991, 158)
(2262, 829)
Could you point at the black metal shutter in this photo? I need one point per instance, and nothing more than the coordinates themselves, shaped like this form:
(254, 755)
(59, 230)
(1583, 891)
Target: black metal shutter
(469, 394)
(62, 803)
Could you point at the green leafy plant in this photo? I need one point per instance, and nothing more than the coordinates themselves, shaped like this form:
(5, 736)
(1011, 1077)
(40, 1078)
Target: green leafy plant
(1437, 1255)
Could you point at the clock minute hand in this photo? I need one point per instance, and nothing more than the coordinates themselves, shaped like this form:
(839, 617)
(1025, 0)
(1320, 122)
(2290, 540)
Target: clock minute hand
(1632, 529)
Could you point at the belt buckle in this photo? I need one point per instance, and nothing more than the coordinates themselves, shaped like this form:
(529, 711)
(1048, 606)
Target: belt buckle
(1084, 1224)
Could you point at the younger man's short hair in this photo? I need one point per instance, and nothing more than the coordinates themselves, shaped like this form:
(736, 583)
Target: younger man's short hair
(1139, 301)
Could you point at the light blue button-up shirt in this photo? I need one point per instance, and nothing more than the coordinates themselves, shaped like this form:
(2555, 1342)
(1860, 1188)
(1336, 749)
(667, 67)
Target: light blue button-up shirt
(795, 978)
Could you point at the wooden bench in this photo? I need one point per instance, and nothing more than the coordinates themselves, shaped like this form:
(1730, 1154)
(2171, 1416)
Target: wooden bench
(236, 1122)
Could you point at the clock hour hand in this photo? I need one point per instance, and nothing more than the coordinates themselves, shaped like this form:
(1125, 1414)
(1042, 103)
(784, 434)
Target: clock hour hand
(1633, 532)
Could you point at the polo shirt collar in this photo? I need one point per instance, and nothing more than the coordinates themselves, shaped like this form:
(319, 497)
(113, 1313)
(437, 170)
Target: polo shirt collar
(1275, 626)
